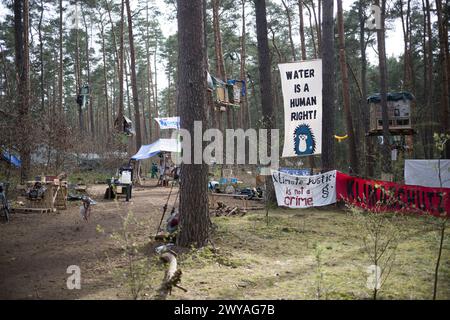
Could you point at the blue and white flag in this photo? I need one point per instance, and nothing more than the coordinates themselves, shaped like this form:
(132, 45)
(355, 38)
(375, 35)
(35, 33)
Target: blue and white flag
(295, 172)
(168, 123)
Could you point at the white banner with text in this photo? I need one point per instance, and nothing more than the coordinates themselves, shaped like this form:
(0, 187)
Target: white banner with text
(301, 84)
(304, 191)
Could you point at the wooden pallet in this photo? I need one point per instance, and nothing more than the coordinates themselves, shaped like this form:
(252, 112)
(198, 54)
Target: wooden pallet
(31, 210)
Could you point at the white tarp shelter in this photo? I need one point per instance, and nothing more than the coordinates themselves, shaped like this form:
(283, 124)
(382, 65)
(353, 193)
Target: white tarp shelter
(160, 145)
(426, 173)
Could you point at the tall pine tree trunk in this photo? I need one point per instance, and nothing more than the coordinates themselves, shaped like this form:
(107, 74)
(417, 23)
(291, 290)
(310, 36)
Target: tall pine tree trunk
(105, 77)
(265, 80)
(291, 41)
(429, 90)
(41, 57)
(151, 94)
(220, 63)
(318, 26)
(21, 27)
(60, 65)
(328, 76)
(302, 29)
(88, 69)
(443, 55)
(369, 164)
(311, 30)
(244, 101)
(77, 70)
(120, 114)
(191, 101)
(346, 91)
(134, 88)
(386, 150)
(156, 90)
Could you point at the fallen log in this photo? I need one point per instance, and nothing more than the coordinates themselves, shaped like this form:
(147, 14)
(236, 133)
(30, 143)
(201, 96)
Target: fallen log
(224, 210)
(232, 211)
(172, 276)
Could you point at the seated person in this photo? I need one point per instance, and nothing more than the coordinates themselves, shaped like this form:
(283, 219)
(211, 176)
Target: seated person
(176, 173)
(172, 222)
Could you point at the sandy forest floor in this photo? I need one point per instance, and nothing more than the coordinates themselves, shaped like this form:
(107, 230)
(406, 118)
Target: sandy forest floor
(299, 254)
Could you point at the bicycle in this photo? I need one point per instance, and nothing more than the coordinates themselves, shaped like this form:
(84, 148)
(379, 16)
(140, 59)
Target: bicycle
(5, 209)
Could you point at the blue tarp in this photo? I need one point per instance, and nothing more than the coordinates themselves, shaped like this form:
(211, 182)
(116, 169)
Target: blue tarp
(391, 96)
(233, 82)
(161, 145)
(12, 159)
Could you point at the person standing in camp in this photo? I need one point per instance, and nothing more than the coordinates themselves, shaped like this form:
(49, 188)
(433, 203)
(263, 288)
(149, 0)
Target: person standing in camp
(154, 171)
(162, 169)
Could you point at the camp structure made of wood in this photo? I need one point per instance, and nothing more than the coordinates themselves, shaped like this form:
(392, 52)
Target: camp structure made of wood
(125, 126)
(46, 194)
(83, 96)
(399, 112)
(226, 94)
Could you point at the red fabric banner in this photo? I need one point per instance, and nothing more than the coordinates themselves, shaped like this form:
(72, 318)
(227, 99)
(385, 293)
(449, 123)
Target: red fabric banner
(390, 196)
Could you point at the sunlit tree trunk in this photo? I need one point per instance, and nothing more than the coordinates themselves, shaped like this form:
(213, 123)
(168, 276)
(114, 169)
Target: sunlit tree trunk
(191, 102)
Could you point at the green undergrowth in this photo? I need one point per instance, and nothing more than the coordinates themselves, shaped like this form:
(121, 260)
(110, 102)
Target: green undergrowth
(307, 254)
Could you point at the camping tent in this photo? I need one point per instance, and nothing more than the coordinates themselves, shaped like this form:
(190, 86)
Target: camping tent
(160, 145)
(10, 158)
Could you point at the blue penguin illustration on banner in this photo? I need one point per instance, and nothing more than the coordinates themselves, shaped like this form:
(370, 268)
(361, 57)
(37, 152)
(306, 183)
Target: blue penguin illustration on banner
(304, 140)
